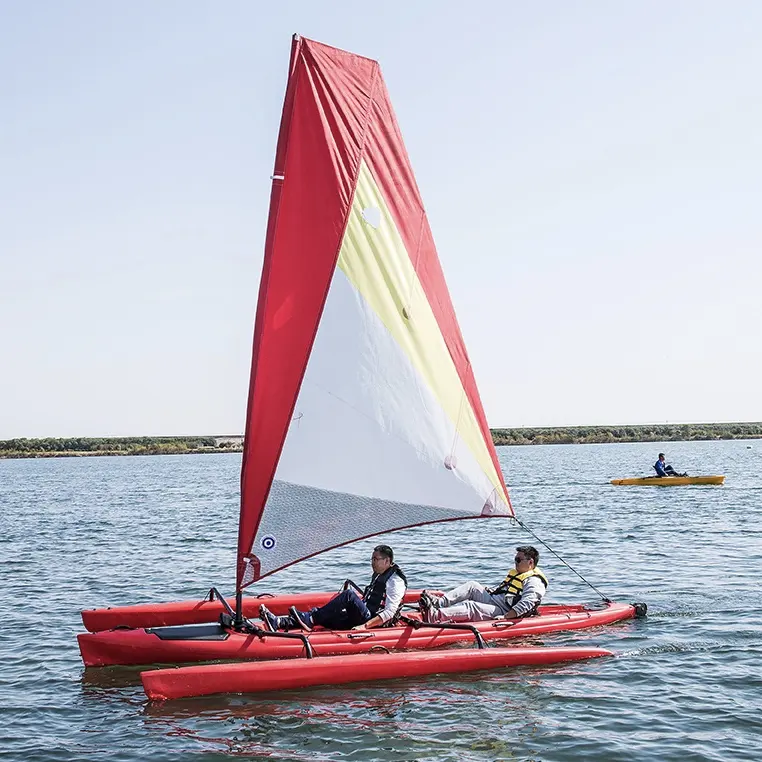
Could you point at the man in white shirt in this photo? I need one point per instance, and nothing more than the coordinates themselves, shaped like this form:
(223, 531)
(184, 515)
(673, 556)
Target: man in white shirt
(517, 596)
(378, 605)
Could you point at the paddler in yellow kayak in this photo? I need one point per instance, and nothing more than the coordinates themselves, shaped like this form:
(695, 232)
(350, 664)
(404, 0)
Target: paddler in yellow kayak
(517, 596)
(662, 469)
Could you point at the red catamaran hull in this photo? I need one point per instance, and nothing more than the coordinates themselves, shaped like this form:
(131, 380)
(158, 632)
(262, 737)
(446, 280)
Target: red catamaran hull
(146, 646)
(162, 684)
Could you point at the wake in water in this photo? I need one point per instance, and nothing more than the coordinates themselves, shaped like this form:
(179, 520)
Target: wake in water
(677, 648)
(708, 608)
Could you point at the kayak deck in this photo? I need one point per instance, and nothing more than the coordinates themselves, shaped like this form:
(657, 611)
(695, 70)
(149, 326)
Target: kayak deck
(212, 642)
(183, 682)
(667, 481)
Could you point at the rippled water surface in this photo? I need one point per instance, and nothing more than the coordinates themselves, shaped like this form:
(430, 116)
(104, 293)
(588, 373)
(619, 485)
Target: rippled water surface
(686, 683)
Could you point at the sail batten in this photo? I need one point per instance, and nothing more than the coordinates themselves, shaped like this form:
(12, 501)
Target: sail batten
(363, 412)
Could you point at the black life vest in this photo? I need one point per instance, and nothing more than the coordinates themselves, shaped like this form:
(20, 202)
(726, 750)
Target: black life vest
(374, 594)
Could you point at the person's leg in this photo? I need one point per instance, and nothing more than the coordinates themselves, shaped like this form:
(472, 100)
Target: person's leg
(342, 612)
(467, 611)
(470, 591)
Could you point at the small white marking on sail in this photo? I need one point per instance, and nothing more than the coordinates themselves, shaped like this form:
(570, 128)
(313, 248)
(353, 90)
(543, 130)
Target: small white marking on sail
(490, 507)
(277, 177)
(372, 215)
(268, 542)
(450, 462)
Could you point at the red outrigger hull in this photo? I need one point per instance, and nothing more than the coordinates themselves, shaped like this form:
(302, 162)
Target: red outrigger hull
(145, 646)
(162, 684)
(198, 612)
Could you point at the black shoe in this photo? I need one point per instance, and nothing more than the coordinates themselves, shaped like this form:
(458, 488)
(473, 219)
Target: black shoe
(425, 605)
(299, 620)
(269, 620)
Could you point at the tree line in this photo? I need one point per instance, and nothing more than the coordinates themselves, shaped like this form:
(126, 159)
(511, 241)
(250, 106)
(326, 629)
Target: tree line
(58, 447)
(53, 447)
(679, 432)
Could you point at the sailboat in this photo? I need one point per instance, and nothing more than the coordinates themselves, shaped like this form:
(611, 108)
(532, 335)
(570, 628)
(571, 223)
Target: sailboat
(363, 412)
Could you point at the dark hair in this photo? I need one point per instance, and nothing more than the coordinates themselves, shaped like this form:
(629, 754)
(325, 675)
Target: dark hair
(661, 454)
(385, 550)
(529, 552)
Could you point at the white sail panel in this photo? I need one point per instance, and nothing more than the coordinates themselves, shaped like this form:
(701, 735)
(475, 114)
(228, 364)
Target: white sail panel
(367, 445)
(366, 423)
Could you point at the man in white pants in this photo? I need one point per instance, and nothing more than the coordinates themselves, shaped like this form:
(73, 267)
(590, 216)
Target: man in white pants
(517, 596)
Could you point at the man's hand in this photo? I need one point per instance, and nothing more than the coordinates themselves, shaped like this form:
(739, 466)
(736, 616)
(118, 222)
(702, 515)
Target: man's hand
(376, 621)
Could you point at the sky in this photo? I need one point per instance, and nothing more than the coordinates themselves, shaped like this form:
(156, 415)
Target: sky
(592, 174)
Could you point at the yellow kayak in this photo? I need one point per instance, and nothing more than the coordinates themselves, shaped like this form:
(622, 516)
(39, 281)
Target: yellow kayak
(667, 481)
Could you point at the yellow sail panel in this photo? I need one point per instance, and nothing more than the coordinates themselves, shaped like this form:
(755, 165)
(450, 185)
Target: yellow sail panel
(374, 259)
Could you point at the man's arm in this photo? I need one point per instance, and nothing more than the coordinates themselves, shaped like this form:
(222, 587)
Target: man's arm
(531, 595)
(395, 592)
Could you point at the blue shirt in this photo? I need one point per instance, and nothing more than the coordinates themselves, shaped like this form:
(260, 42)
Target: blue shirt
(659, 466)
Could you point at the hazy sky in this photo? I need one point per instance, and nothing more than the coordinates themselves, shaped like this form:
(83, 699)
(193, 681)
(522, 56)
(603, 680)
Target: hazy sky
(591, 171)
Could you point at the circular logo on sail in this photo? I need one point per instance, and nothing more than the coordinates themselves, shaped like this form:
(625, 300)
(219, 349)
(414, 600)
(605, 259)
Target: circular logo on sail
(268, 542)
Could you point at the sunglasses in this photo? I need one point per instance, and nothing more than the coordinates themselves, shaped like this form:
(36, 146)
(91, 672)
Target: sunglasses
(519, 559)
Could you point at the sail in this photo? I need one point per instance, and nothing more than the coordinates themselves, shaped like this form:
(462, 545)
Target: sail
(363, 412)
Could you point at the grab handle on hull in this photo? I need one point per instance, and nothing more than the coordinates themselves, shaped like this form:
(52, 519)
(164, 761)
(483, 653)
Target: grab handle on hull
(249, 628)
(416, 625)
(502, 624)
(215, 593)
(288, 636)
(349, 583)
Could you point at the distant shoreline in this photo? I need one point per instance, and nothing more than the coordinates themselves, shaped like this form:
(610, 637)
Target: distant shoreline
(95, 446)
(79, 447)
(678, 432)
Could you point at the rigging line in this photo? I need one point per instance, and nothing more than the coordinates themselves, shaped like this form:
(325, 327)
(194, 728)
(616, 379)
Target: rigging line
(457, 423)
(414, 278)
(542, 542)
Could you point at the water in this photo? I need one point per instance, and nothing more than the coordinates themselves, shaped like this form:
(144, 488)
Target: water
(686, 684)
